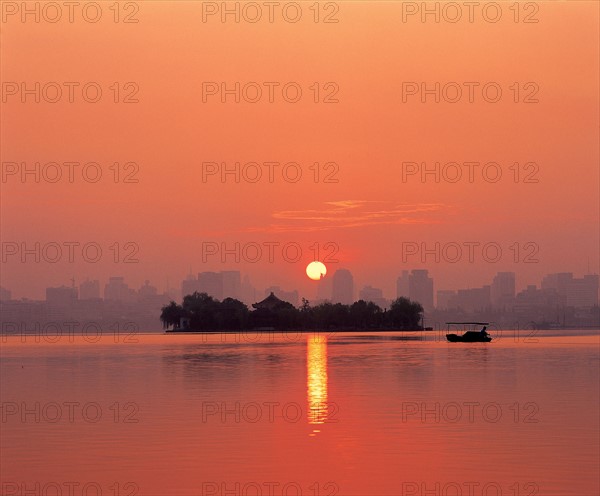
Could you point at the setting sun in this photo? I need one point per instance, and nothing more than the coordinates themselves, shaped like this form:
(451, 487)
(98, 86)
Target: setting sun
(316, 270)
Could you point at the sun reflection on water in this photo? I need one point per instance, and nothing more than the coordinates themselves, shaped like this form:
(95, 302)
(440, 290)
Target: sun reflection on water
(316, 380)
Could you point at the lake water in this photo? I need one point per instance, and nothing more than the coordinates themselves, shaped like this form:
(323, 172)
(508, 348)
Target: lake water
(287, 414)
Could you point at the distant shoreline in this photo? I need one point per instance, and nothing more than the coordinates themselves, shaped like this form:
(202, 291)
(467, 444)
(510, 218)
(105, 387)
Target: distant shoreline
(273, 331)
(368, 331)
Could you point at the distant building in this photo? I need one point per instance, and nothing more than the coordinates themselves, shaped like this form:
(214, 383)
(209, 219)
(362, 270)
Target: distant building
(375, 295)
(402, 285)
(342, 290)
(117, 290)
(173, 294)
(189, 285)
(583, 292)
(89, 290)
(532, 297)
(420, 288)
(502, 292)
(248, 291)
(446, 299)
(473, 299)
(232, 284)
(265, 316)
(559, 282)
(324, 289)
(289, 296)
(211, 283)
(571, 291)
(62, 296)
(269, 303)
(147, 291)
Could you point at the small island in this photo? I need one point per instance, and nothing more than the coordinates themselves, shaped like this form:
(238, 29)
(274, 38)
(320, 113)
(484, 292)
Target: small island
(200, 312)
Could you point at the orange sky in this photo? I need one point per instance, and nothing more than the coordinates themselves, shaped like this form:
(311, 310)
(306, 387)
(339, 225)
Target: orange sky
(369, 133)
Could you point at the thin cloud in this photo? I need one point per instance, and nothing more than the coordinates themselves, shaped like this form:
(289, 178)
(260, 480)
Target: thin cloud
(347, 214)
(343, 214)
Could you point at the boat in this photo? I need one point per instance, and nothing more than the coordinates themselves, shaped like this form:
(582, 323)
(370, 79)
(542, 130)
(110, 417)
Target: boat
(469, 336)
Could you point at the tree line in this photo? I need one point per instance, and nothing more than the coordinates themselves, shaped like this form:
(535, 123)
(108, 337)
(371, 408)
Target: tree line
(205, 313)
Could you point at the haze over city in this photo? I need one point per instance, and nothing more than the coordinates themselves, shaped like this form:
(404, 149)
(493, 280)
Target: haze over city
(201, 172)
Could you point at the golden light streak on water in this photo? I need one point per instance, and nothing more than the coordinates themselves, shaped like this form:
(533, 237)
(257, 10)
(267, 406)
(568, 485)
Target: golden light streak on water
(316, 380)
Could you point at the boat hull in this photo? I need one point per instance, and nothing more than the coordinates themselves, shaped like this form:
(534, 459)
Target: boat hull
(474, 338)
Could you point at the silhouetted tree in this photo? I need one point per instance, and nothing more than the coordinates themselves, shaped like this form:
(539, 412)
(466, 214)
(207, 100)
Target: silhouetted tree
(365, 314)
(171, 315)
(331, 315)
(307, 315)
(405, 314)
(202, 311)
(208, 314)
(305, 305)
(282, 316)
(232, 315)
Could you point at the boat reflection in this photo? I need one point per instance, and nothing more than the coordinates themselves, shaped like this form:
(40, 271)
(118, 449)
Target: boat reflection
(316, 380)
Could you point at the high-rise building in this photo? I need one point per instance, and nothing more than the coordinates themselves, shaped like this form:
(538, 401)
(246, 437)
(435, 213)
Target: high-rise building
(446, 299)
(583, 292)
(571, 291)
(342, 290)
(558, 282)
(473, 299)
(532, 297)
(324, 288)
(173, 294)
(147, 291)
(89, 290)
(62, 295)
(375, 295)
(232, 284)
(189, 285)
(402, 285)
(117, 290)
(420, 288)
(211, 283)
(248, 291)
(502, 291)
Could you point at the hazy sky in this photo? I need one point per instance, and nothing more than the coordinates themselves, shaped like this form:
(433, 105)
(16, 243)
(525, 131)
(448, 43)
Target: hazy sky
(363, 62)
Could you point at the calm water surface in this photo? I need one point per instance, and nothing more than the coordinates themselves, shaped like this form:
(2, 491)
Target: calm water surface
(337, 415)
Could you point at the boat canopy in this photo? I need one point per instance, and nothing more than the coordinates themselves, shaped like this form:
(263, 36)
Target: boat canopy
(467, 323)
